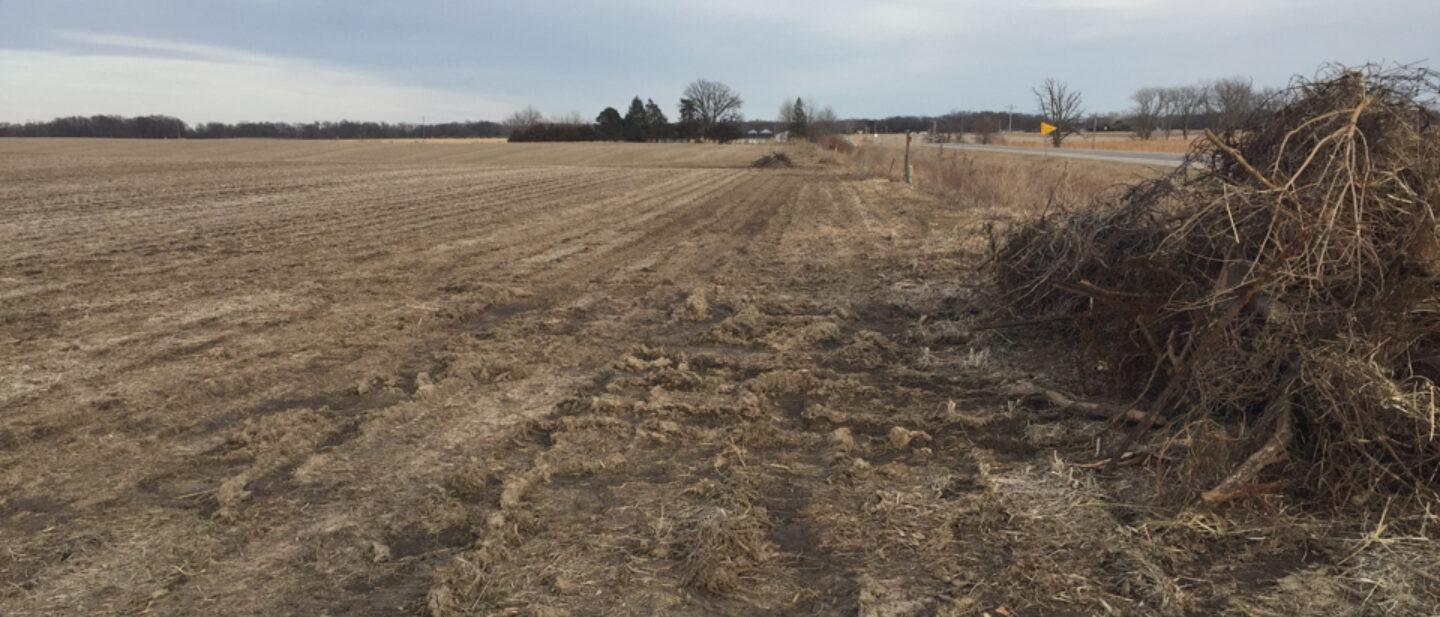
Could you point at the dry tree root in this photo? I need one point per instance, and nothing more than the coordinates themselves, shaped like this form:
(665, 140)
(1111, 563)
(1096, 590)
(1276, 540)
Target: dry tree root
(1302, 245)
(1064, 402)
(1241, 482)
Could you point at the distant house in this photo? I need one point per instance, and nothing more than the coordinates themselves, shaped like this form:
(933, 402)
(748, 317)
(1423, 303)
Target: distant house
(757, 136)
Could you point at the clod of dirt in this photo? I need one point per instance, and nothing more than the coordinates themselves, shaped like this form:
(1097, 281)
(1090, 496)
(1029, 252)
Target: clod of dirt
(696, 307)
(518, 484)
(231, 494)
(725, 547)
(843, 439)
(473, 476)
(740, 328)
(424, 385)
(365, 385)
(804, 337)
(380, 553)
(879, 599)
(639, 365)
(660, 430)
(901, 437)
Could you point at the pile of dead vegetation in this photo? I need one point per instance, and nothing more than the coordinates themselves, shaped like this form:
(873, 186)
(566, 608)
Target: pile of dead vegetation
(779, 159)
(1273, 303)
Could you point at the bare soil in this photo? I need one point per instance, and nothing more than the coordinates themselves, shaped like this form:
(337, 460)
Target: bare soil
(280, 378)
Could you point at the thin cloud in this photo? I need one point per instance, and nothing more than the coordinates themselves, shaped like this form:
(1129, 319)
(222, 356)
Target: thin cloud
(438, 58)
(163, 47)
(200, 83)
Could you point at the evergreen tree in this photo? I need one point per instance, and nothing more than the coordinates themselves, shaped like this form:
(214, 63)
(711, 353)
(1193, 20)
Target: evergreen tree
(799, 122)
(610, 125)
(689, 126)
(659, 124)
(637, 124)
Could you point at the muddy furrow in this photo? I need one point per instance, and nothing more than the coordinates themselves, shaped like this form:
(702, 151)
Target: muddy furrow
(201, 452)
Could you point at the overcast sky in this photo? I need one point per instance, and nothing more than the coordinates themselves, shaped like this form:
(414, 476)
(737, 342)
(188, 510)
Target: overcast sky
(301, 60)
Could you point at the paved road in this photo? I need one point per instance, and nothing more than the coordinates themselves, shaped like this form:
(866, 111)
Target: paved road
(1139, 158)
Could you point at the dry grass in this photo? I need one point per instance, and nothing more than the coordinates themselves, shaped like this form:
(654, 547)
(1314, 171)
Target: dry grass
(441, 140)
(1001, 186)
(1107, 141)
(1102, 141)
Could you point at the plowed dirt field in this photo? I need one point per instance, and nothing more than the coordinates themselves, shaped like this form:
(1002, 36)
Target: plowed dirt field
(268, 378)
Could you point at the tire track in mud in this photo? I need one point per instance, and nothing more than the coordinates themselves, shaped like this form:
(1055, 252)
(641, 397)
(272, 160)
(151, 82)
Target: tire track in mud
(282, 211)
(381, 468)
(443, 206)
(177, 484)
(621, 201)
(771, 449)
(636, 491)
(277, 208)
(259, 224)
(590, 216)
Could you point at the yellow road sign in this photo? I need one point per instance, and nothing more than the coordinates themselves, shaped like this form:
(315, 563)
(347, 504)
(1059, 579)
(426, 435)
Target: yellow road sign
(1046, 128)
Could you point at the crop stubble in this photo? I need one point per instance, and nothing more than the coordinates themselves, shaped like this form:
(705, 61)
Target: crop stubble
(293, 378)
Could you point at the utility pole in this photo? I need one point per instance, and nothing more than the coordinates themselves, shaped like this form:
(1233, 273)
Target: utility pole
(1094, 122)
(1010, 120)
(422, 127)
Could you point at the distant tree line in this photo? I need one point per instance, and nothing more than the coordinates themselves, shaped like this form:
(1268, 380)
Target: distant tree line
(1221, 104)
(1217, 104)
(707, 110)
(806, 119)
(710, 110)
(953, 122)
(169, 127)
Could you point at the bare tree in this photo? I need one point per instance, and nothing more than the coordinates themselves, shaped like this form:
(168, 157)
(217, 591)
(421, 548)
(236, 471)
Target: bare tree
(1061, 107)
(1269, 98)
(1189, 102)
(1165, 110)
(813, 111)
(986, 127)
(1232, 100)
(715, 103)
(948, 128)
(522, 120)
(823, 121)
(787, 112)
(573, 118)
(1147, 112)
(792, 119)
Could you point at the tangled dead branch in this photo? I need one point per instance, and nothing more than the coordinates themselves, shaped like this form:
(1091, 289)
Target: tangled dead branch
(1289, 272)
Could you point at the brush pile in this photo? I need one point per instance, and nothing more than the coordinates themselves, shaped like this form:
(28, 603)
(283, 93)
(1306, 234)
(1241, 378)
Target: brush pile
(1284, 284)
(779, 159)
